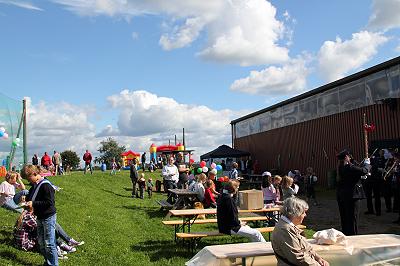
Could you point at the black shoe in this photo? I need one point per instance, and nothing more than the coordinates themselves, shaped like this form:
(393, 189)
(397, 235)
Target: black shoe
(397, 221)
(368, 212)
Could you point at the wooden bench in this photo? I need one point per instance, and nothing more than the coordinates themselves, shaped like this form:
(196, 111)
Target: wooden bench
(194, 237)
(179, 223)
(165, 204)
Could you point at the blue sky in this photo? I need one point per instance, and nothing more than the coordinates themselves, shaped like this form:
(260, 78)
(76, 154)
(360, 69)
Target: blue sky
(139, 71)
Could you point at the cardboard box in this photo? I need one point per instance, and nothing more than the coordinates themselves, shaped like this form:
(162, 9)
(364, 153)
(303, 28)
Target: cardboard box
(251, 199)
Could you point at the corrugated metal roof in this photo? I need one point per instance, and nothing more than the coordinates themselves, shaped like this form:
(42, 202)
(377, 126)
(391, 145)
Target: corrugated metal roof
(326, 87)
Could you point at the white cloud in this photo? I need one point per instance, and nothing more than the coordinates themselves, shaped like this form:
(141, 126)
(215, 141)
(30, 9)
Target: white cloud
(337, 58)
(22, 4)
(244, 32)
(385, 15)
(286, 80)
(183, 35)
(59, 126)
(143, 114)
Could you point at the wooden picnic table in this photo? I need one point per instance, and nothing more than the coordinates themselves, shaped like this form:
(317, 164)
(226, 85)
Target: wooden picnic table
(190, 215)
(183, 198)
(359, 250)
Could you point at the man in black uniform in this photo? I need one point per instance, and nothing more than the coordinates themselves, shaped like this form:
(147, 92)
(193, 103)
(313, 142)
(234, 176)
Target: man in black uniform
(373, 184)
(349, 191)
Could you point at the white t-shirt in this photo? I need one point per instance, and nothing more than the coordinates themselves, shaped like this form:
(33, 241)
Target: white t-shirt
(170, 172)
(9, 189)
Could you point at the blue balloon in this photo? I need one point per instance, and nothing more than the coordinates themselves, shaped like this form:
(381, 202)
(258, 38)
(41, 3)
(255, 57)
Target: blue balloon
(219, 167)
(1, 134)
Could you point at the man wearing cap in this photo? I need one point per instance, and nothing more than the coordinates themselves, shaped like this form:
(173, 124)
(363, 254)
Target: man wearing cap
(348, 186)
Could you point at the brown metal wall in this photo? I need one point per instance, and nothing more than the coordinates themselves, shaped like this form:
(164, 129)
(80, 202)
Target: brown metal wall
(302, 145)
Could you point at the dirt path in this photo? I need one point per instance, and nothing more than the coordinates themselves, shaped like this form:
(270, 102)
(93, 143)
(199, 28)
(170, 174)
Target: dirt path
(326, 215)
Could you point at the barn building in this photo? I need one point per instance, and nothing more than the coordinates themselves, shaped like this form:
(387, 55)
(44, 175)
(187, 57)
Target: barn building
(309, 129)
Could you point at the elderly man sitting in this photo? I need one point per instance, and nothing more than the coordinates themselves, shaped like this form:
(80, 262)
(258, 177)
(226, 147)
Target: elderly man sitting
(290, 247)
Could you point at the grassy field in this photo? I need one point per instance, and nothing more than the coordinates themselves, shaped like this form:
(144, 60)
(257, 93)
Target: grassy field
(117, 229)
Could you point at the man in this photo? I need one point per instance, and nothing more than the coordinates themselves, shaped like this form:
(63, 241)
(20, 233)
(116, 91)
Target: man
(46, 161)
(170, 175)
(133, 175)
(35, 160)
(56, 162)
(373, 184)
(87, 157)
(143, 161)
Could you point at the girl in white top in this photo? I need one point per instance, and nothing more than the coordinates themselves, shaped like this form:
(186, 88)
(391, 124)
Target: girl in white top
(8, 198)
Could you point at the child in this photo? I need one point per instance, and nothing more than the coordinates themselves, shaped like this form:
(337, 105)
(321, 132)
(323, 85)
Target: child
(8, 198)
(41, 200)
(142, 185)
(150, 187)
(113, 167)
(209, 199)
(311, 180)
(289, 189)
(270, 188)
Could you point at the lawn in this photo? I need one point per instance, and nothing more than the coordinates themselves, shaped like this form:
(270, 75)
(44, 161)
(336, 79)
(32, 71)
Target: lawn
(117, 229)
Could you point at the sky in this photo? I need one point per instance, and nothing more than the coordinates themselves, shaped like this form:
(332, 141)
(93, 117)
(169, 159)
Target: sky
(140, 71)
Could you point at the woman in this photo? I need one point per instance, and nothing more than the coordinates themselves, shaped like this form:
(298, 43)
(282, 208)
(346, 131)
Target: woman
(349, 176)
(9, 199)
(228, 216)
(290, 247)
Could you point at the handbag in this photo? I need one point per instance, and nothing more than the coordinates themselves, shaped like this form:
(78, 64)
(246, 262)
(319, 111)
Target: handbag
(358, 192)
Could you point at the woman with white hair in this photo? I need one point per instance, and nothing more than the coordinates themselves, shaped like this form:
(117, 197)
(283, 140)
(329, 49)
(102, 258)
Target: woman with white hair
(290, 247)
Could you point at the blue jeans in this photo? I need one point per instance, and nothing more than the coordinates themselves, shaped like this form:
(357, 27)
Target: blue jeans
(12, 204)
(46, 230)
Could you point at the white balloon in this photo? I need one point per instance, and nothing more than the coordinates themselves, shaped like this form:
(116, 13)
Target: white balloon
(204, 169)
(2, 129)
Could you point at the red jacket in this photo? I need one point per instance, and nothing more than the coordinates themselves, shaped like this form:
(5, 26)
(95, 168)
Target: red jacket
(87, 157)
(46, 160)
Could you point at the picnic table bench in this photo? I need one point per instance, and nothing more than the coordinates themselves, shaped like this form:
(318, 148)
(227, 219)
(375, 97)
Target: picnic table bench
(194, 237)
(178, 224)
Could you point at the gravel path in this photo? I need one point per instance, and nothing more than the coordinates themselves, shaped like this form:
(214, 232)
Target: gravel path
(326, 215)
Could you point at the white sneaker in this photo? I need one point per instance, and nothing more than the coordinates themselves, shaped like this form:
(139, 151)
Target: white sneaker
(67, 248)
(73, 243)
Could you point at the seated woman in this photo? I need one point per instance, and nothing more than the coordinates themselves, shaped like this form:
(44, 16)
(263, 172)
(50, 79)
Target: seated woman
(290, 247)
(228, 217)
(8, 198)
(25, 234)
(289, 189)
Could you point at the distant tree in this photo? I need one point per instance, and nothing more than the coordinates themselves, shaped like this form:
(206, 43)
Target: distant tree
(70, 158)
(109, 149)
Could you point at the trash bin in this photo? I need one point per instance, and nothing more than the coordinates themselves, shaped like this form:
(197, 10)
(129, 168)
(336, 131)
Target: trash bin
(103, 167)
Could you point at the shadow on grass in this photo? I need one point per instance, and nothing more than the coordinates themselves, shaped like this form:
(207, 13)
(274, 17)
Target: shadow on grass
(6, 237)
(164, 249)
(13, 257)
(128, 189)
(151, 211)
(119, 195)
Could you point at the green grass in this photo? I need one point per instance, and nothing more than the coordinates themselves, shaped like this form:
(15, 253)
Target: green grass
(117, 229)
